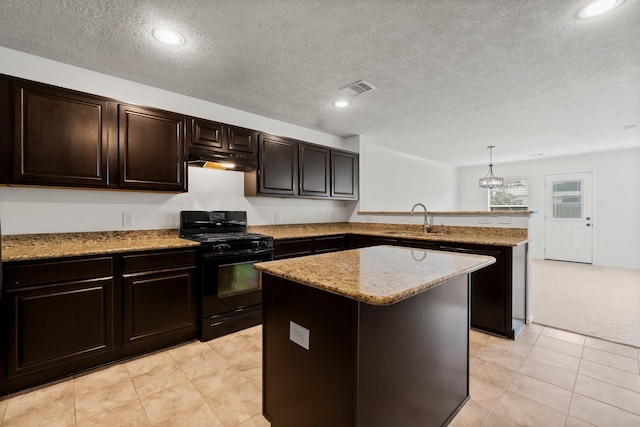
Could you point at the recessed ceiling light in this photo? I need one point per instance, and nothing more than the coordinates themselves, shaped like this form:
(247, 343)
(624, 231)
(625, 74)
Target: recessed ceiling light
(341, 103)
(598, 7)
(169, 37)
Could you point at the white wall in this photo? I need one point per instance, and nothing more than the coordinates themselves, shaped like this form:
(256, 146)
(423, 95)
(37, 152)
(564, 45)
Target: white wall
(616, 206)
(396, 181)
(50, 210)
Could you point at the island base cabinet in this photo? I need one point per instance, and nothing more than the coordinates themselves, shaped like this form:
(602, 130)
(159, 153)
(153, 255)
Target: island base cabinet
(405, 364)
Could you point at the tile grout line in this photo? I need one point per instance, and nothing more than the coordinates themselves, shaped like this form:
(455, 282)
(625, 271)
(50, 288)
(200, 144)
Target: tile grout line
(75, 413)
(137, 394)
(509, 383)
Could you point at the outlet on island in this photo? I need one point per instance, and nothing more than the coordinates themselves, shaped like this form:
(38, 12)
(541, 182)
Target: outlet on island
(299, 335)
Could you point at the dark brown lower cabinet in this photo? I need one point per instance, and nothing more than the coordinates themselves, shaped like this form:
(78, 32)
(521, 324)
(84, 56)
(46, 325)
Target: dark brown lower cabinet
(290, 248)
(498, 292)
(159, 302)
(405, 364)
(62, 316)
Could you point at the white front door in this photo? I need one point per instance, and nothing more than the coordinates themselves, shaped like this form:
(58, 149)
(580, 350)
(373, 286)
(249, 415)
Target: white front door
(568, 217)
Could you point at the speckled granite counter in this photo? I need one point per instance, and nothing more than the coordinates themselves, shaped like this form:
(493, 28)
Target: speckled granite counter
(493, 236)
(379, 275)
(37, 246)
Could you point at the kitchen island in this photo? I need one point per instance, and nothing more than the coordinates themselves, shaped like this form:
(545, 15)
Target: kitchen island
(377, 336)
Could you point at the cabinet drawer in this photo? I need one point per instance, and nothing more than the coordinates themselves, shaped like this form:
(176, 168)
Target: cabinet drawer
(330, 244)
(34, 273)
(293, 247)
(158, 261)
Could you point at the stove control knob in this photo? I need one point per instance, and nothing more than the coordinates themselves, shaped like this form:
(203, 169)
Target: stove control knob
(264, 243)
(255, 244)
(223, 247)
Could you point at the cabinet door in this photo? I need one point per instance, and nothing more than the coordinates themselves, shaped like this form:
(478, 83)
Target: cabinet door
(60, 328)
(159, 309)
(152, 150)
(159, 299)
(6, 130)
(344, 175)
(61, 137)
(490, 302)
(241, 140)
(206, 134)
(278, 170)
(314, 170)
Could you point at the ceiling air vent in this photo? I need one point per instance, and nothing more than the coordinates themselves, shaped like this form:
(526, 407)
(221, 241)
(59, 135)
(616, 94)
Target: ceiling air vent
(358, 88)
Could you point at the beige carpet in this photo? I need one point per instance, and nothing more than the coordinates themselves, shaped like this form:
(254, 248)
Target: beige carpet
(601, 302)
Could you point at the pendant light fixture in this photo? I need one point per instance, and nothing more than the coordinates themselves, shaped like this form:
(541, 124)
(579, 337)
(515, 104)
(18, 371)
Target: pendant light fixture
(490, 180)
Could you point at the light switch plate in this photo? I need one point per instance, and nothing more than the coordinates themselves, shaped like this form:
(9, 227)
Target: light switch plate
(299, 335)
(127, 219)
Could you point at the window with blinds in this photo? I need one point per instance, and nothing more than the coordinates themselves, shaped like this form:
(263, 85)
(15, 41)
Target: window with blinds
(512, 196)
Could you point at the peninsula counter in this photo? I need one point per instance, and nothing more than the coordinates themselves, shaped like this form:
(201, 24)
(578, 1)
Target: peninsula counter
(370, 337)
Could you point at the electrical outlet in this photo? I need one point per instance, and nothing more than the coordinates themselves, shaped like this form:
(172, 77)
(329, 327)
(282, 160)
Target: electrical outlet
(299, 335)
(276, 217)
(127, 219)
(484, 220)
(504, 220)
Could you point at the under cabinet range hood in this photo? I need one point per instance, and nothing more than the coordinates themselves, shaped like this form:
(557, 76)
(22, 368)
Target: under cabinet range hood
(220, 146)
(222, 161)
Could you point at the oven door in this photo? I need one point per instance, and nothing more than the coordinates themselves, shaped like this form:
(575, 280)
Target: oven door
(230, 283)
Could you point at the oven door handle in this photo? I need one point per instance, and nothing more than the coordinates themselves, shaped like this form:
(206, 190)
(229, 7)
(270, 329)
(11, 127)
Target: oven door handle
(227, 255)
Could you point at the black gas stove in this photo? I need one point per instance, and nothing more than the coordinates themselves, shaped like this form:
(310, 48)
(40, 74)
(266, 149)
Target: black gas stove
(222, 232)
(231, 287)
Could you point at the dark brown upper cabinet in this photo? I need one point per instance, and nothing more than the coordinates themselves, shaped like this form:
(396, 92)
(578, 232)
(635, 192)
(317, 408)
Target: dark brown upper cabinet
(277, 172)
(219, 142)
(152, 149)
(291, 168)
(344, 175)
(6, 129)
(60, 137)
(314, 167)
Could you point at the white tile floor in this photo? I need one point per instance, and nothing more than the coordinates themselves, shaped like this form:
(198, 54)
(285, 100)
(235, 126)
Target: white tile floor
(550, 377)
(547, 377)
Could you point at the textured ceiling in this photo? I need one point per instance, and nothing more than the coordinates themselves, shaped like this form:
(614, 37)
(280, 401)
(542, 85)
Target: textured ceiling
(453, 76)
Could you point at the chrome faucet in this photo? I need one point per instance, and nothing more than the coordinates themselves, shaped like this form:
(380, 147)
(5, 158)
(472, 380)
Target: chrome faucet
(426, 226)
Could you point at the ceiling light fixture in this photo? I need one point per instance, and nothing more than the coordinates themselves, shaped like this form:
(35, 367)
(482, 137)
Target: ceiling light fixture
(491, 181)
(341, 103)
(169, 37)
(598, 7)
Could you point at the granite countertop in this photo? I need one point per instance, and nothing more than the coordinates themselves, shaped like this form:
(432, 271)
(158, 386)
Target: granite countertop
(37, 246)
(492, 236)
(379, 275)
